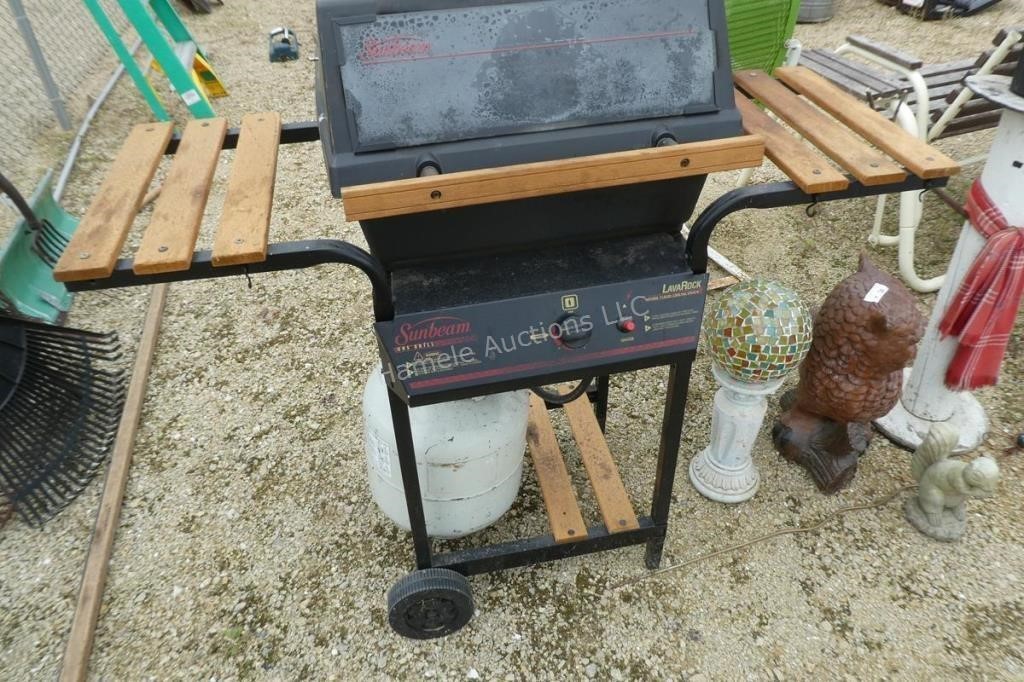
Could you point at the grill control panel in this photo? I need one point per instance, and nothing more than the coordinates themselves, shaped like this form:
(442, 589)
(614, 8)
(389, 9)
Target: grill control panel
(504, 345)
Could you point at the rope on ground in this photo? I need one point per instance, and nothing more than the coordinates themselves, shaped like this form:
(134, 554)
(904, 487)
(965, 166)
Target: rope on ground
(881, 502)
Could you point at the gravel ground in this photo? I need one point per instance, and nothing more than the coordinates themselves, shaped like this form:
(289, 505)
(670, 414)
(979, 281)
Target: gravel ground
(249, 546)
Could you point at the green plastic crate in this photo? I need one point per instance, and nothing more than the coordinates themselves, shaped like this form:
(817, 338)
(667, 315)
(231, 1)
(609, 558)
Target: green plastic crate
(758, 31)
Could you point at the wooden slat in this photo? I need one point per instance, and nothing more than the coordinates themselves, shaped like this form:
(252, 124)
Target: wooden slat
(971, 124)
(97, 561)
(555, 486)
(959, 66)
(919, 157)
(97, 242)
(855, 77)
(612, 498)
(907, 61)
(491, 185)
(170, 239)
(245, 222)
(1004, 33)
(838, 143)
(809, 170)
(722, 283)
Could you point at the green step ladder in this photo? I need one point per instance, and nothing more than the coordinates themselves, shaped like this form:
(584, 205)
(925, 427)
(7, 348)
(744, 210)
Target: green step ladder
(27, 287)
(175, 53)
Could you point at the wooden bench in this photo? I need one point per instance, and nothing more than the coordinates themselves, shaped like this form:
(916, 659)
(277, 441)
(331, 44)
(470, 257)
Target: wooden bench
(169, 241)
(948, 98)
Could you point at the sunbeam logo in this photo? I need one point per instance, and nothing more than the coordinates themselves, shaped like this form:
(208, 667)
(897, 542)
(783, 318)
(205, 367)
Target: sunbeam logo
(432, 332)
(393, 48)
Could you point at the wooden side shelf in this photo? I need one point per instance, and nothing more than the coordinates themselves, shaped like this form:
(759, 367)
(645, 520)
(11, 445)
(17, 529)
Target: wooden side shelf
(870, 147)
(840, 144)
(563, 508)
(836, 134)
(918, 156)
(169, 240)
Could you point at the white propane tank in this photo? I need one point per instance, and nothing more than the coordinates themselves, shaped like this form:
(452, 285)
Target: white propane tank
(469, 456)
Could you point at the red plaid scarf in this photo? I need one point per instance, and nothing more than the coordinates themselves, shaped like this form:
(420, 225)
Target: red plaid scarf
(983, 311)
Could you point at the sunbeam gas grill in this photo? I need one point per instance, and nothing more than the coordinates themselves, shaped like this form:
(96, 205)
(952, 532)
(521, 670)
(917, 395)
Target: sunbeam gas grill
(521, 172)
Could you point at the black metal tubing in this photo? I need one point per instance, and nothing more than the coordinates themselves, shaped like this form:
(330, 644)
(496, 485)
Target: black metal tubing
(778, 195)
(291, 133)
(601, 400)
(543, 548)
(668, 453)
(410, 479)
(284, 256)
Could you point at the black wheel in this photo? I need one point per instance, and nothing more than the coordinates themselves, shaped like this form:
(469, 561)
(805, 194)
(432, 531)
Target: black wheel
(430, 603)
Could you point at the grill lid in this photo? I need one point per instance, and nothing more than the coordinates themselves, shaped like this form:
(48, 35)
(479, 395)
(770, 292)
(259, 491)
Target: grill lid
(448, 75)
(470, 84)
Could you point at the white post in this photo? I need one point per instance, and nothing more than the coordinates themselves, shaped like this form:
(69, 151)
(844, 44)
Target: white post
(725, 471)
(926, 400)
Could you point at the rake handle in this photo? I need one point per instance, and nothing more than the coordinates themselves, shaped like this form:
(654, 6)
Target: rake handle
(94, 578)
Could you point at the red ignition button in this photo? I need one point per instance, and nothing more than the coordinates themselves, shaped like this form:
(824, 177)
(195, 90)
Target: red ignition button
(627, 326)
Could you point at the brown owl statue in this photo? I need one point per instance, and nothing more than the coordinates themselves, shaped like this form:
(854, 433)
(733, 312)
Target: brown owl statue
(865, 333)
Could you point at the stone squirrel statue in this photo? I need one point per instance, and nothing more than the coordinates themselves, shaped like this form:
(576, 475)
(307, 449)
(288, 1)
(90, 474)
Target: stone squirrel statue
(944, 484)
(865, 333)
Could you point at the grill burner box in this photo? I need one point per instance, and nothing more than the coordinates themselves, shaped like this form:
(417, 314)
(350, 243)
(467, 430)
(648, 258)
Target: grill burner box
(449, 86)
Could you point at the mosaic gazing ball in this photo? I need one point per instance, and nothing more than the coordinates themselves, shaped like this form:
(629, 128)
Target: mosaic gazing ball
(758, 331)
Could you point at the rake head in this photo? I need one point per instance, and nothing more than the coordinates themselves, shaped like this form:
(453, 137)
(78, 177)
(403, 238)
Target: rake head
(60, 406)
(49, 243)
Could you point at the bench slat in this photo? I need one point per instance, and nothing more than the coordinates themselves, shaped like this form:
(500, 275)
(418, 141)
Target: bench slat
(1004, 33)
(838, 143)
(170, 239)
(97, 242)
(1012, 57)
(969, 124)
(869, 83)
(923, 160)
(809, 170)
(612, 498)
(934, 70)
(555, 485)
(245, 223)
(907, 61)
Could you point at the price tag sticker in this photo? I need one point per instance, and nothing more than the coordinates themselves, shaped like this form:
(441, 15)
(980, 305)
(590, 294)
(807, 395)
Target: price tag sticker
(877, 293)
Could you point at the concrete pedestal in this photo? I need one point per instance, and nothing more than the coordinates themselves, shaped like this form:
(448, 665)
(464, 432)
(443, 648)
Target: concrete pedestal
(725, 471)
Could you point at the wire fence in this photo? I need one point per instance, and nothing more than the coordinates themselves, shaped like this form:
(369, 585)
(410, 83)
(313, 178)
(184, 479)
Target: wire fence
(53, 61)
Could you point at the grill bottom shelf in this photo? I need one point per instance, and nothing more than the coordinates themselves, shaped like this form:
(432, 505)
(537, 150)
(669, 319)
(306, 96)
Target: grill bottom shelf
(564, 515)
